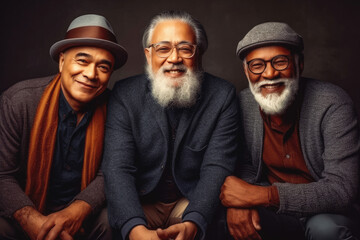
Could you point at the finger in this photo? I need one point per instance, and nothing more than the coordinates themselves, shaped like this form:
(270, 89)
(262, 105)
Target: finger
(163, 234)
(54, 232)
(45, 228)
(236, 233)
(256, 220)
(65, 236)
(170, 232)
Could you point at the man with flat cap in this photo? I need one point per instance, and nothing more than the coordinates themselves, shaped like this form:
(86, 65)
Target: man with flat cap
(51, 138)
(298, 173)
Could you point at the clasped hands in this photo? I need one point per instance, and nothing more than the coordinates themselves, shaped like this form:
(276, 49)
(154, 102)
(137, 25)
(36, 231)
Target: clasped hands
(62, 225)
(181, 231)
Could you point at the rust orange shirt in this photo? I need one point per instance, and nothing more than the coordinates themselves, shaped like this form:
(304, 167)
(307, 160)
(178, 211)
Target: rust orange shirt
(282, 153)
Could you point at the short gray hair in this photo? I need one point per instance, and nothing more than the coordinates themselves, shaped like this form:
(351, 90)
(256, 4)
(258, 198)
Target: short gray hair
(201, 37)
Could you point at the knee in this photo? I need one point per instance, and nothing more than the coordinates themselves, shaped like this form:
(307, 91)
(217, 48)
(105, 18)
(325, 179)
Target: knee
(326, 227)
(101, 229)
(103, 222)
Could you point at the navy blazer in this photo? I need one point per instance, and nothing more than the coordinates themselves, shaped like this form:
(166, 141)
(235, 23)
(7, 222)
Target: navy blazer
(137, 148)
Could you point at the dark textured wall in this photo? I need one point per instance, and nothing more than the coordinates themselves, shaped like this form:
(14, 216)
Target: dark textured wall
(330, 30)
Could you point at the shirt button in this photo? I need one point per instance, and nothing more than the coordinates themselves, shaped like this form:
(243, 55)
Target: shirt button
(287, 156)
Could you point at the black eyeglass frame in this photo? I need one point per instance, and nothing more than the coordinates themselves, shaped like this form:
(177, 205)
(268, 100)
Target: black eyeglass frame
(172, 49)
(271, 61)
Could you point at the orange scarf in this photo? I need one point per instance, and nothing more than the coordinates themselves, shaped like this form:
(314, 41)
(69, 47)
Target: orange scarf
(43, 139)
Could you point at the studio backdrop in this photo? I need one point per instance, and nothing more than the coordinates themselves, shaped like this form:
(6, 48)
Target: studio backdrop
(330, 30)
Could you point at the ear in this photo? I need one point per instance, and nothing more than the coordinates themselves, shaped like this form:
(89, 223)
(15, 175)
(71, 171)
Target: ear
(148, 55)
(61, 61)
(245, 70)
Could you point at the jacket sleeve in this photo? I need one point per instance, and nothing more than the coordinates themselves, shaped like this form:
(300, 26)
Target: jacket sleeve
(119, 167)
(218, 161)
(12, 196)
(333, 158)
(94, 194)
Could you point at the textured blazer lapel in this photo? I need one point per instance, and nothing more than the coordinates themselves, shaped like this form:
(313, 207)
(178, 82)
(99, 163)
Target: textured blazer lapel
(259, 138)
(159, 114)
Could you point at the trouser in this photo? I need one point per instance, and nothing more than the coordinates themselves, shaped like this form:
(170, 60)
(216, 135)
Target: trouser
(317, 227)
(163, 215)
(96, 228)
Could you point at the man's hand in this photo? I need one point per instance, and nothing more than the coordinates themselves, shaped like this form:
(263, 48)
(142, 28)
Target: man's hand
(30, 220)
(237, 193)
(243, 223)
(180, 231)
(65, 223)
(140, 232)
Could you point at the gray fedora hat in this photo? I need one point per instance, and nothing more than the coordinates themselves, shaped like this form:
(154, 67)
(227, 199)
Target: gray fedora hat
(90, 30)
(269, 33)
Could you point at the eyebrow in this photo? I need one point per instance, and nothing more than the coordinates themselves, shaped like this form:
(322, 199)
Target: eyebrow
(176, 42)
(81, 54)
(103, 61)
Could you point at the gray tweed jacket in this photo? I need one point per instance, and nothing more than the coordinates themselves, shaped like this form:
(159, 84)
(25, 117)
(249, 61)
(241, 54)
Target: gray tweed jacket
(329, 138)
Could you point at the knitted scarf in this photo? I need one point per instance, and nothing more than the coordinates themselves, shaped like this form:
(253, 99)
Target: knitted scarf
(43, 139)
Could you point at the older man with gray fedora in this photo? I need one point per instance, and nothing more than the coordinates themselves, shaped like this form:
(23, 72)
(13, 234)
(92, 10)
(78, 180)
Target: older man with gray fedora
(298, 171)
(51, 138)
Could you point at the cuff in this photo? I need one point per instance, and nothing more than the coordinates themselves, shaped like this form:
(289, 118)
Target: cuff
(126, 228)
(199, 220)
(273, 197)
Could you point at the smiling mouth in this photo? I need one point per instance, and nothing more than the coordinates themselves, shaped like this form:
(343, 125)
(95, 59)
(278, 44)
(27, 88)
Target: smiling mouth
(174, 71)
(86, 85)
(272, 86)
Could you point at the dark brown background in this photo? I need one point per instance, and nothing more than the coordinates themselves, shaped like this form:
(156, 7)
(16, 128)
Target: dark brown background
(330, 30)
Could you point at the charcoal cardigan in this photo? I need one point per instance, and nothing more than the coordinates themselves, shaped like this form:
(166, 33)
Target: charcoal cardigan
(329, 137)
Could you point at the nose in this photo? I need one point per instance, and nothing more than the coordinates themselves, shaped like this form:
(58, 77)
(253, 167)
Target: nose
(174, 57)
(270, 72)
(90, 71)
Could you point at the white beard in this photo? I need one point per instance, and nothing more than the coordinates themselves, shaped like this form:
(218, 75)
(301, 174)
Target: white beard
(167, 95)
(275, 104)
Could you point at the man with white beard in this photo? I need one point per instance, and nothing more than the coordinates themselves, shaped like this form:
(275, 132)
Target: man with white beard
(170, 137)
(297, 176)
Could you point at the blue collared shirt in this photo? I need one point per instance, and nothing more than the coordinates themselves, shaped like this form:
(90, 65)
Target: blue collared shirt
(66, 169)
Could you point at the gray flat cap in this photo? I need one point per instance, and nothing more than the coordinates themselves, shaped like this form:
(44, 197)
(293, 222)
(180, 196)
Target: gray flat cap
(269, 33)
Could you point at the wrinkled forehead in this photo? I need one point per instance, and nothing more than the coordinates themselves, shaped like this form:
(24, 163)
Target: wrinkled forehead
(173, 31)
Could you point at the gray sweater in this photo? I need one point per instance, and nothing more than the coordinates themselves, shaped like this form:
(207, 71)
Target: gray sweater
(329, 137)
(18, 107)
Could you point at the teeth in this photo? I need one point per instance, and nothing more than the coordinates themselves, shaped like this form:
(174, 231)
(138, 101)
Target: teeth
(270, 86)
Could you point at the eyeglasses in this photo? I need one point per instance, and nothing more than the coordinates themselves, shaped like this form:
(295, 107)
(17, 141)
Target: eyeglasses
(279, 63)
(165, 49)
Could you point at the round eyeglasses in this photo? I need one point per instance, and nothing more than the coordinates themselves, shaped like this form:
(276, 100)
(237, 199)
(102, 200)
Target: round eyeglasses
(165, 49)
(279, 63)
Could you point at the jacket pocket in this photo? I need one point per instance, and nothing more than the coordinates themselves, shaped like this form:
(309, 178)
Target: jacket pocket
(191, 160)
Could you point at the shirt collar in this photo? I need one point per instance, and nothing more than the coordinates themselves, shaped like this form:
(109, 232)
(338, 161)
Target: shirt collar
(65, 110)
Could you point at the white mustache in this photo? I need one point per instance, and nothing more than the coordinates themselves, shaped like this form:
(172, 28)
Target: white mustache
(175, 67)
(271, 82)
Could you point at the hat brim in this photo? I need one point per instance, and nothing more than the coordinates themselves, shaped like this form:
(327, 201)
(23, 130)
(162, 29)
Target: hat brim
(117, 50)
